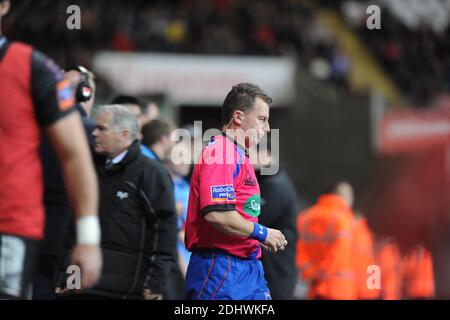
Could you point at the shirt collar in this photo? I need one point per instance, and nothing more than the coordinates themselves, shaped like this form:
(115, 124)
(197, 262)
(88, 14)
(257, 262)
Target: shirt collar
(238, 146)
(119, 157)
(2, 41)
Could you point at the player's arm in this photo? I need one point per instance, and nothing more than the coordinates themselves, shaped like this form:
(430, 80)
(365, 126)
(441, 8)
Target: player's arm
(69, 141)
(232, 223)
(218, 203)
(53, 100)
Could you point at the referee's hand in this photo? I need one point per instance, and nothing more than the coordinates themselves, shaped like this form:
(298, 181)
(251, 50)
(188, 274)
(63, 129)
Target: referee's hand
(275, 240)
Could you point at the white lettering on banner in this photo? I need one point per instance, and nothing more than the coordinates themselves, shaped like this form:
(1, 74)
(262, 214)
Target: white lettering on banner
(196, 79)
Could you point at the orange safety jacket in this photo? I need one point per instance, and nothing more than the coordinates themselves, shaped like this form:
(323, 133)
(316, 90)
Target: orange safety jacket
(363, 258)
(324, 249)
(389, 259)
(418, 274)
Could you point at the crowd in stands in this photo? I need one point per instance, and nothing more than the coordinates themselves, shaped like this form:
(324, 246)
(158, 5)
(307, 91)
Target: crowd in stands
(228, 27)
(411, 46)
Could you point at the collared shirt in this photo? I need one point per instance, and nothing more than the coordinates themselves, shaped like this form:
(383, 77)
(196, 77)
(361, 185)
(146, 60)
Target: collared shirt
(2, 41)
(116, 159)
(146, 151)
(223, 180)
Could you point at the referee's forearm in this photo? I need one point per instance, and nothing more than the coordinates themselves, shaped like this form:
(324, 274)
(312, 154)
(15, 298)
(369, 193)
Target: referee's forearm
(230, 222)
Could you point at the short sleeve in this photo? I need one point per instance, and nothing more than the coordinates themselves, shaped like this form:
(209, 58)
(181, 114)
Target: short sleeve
(217, 187)
(53, 96)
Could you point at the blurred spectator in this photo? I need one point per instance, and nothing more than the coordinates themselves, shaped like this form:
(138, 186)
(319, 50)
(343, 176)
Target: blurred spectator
(363, 256)
(179, 171)
(149, 112)
(218, 27)
(418, 280)
(324, 248)
(278, 210)
(156, 137)
(133, 104)
(389, 259)
(412, 45)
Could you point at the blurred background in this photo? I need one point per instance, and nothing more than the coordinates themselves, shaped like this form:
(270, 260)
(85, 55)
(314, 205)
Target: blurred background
(369, 106)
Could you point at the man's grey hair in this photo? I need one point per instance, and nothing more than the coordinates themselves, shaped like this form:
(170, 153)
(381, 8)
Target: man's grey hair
(122, 118)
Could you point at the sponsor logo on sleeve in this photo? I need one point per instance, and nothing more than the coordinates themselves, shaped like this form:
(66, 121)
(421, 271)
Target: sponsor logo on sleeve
(223, 193)
(65, 95)
(253, 205)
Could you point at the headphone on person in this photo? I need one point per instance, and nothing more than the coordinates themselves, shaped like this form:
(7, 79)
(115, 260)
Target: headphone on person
(84, 90)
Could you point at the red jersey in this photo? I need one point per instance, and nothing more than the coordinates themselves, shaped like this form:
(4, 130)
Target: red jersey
(223, 180)
(33, 95)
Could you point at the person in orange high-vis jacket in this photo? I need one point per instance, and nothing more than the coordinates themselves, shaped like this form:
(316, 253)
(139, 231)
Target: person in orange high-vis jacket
(324, 248)
(389, 259)
(418, 280)
(363, 258)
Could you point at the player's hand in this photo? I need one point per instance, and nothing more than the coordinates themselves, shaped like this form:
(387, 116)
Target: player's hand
(89, 259)
(74, 78)
(275, 240)
(149, 295)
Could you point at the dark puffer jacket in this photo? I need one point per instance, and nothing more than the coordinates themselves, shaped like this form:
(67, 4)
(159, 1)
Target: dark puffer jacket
(138, 224)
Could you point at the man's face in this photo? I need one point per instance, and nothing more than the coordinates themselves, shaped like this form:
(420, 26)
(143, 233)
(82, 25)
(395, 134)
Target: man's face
(108, 141)
(256, 123)
(4, 8)
(151, 114)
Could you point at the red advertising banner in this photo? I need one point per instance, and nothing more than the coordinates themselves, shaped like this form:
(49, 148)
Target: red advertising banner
(414, 130)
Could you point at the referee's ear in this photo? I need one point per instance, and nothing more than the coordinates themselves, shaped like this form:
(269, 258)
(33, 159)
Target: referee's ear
(4, 7)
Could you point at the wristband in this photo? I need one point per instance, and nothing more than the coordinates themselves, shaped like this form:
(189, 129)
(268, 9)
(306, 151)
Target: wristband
(259, 232)
(88, 230)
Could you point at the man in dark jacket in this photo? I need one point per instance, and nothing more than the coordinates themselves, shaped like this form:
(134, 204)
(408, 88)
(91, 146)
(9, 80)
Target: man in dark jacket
(279, 208)
(58, 212)
(137, 212)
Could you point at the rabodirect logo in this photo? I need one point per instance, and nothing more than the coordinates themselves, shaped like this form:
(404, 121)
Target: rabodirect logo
(223, 193)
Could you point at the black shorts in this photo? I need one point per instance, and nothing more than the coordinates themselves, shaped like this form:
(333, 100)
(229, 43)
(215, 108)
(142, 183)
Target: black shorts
(18, 257)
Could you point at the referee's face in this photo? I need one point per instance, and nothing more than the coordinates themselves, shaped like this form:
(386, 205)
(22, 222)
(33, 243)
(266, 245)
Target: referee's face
(256, 123)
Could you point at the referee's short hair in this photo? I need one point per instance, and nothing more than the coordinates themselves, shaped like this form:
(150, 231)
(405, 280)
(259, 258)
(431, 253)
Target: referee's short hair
(242, 97)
